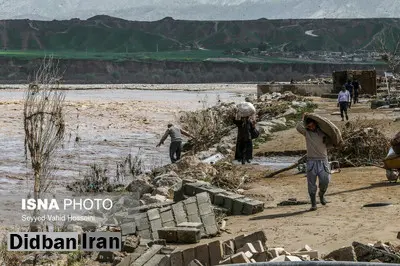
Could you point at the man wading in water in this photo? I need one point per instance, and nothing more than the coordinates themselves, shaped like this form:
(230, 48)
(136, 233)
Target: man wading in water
(175, 147)
(317, 159)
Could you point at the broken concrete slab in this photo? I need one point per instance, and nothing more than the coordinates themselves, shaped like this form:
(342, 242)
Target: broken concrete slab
(150, 253)
(130, 244)
(342, 254)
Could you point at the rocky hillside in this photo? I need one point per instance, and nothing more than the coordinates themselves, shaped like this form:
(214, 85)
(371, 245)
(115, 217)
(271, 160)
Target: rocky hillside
(108, 34)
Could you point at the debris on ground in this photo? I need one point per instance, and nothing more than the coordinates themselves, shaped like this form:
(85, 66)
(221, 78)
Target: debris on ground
(363, 145)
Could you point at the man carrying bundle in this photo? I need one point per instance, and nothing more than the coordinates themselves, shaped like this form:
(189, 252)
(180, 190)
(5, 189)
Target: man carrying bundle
(317, 159)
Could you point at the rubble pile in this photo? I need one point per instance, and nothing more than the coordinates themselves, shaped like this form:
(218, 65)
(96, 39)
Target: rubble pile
(363, 145)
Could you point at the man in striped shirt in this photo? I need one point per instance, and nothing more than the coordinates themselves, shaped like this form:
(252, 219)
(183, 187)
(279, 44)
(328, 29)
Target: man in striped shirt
(344, 99)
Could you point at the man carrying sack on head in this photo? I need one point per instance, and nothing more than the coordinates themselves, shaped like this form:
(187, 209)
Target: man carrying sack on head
(317, 159)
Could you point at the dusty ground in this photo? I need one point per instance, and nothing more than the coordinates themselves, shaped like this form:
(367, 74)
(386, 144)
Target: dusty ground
(344, 219)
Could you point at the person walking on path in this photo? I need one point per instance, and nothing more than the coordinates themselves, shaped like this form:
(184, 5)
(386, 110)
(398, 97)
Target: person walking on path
(175, 148)
(349, 87)
(343, 101)
(317, 159)
(244, 143)
(357, 89)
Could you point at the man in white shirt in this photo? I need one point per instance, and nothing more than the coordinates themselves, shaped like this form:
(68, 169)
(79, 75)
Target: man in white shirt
(344, 99)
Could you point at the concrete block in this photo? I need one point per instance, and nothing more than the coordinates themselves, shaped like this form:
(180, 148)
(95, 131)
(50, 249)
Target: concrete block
(260, 257)
(203, 198)
(343, 254)
(292, 258)
(215, 251)
(153, 214)
(210, 224)
(273, 252)
(176, 258)
(219, 199)
(130, 243)
(253, 261)
(164, 209)
(192, 209)
(304, 257)
(165, 261)
(169, 224)
(129, 218)
(188, 235)
(205, 208)
(305, 248)
(142, 224)
(238, 206)
(313, 254)
(191, 225)
(398, 235)
(190, 200)
(240, 258)
(258, 246)
(279, 259)
(229, 199)
(202, 188)
(247, 247)
(150, 253)
(248, 254)
(228, 247)
(155, 225)
(166, 216)
(188, 255)
(202, 254)
(145, 234)
(214, 191)
(190, 189)
(179, 213)
(128, 228)
(170, 234)
(154, 235)
(195, 218)
(251, 206)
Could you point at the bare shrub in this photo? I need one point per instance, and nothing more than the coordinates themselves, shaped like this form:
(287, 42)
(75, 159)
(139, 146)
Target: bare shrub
(44, 125)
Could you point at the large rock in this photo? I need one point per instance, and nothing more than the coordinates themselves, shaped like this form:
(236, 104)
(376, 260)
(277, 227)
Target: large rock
(368, 253)
(141, 184)
(169, 179)
(342, 254)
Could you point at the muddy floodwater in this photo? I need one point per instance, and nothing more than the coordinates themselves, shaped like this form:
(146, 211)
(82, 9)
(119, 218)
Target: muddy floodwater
(102, 127)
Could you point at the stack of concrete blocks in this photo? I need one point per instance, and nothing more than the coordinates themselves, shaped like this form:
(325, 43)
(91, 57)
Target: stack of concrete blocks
(192, 218)
(234, 204)
(147, 256)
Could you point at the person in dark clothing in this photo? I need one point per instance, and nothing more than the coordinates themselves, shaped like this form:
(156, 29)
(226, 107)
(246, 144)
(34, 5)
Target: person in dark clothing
(244, 143)
(356, 89)
(175, 147)
(350, 89)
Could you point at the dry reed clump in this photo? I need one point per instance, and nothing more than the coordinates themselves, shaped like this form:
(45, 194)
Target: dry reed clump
(363, 145)
(230, 177)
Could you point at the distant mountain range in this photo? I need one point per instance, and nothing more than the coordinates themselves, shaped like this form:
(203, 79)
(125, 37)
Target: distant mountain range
(151, 10)
(109, 34)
